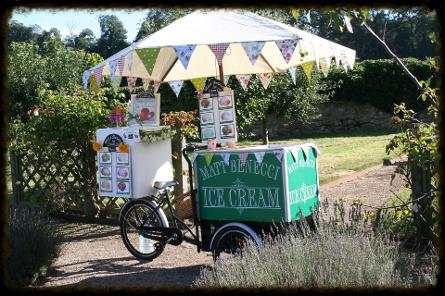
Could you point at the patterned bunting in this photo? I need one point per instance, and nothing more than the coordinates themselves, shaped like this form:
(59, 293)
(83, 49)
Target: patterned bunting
(131, 81)
(85, 78)
(243, 80)
(259, 156)
(148, 57)
(120, 64)
(156, 85)
(130, 60)
(199, 84)
(278, 154)
(265, 79)
(113, 66)
(287, 48)
(219, 50)
(98, 74)
(184, 53)
(253, 50)
(146, 83)
(208, 157)
(293, 74)
(116, 82)
(93, 85)
(307, 68)
(176, 86)
(226, 157)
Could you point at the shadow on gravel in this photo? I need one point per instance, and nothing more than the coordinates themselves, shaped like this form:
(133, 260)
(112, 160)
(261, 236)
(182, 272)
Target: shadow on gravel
(113, 273)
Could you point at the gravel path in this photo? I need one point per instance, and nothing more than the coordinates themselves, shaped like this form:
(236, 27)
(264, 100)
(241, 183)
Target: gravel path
(94, 255)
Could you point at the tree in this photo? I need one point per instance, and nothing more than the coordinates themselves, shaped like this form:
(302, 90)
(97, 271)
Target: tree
(86, 40)
(17, 32)
(113, 36)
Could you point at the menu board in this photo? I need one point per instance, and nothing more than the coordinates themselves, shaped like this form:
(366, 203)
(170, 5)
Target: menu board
(217, 116)
(143, 110)
(114, 174)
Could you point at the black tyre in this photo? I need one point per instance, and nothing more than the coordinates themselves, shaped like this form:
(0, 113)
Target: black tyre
(231, 239)
(134, 215)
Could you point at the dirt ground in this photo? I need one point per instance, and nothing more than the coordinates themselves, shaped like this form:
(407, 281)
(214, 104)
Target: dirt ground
(95, 256)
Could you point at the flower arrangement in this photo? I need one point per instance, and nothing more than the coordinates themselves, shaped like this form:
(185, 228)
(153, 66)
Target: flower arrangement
(96, 146)
(117, 116)
(123, 148)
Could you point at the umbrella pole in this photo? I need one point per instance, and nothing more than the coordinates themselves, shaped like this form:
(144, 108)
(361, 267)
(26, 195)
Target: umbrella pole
(221, 73)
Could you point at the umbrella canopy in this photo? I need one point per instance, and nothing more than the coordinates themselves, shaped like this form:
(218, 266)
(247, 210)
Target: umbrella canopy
(216, 42)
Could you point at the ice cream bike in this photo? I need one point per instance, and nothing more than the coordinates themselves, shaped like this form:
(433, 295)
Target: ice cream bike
(236, 193)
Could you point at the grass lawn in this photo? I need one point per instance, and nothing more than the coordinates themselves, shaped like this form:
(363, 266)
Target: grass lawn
(343, 154)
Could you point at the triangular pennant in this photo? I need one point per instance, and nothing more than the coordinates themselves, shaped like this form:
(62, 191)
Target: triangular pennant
(176, 86)
(156, 85)
(120, 64)
(146, 83)
(253, 50)
(116, 82)
(194, 155)
(278, 154)
(305, 149)
(98, 74)
(265, 79)
(226, 79)
(184, 53)
(85, 79)
(294, 151)
(208, 157)
(323, 66)
(148, 57)
(243, 157)
(259, 156)
(287, 48)
(219, 50)
(347, 21)
(307, 68)
(243, 80)
(293, 73)
(199, 84)
(131, 83)
(130, 60)
(93, 85)
(337, 58)
(226, 157)
(308, 16)
(113, 65)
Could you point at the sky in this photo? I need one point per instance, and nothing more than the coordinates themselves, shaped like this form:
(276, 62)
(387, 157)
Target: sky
(79, 19)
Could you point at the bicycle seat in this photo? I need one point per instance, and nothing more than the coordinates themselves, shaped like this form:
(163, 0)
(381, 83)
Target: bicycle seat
(164, 184)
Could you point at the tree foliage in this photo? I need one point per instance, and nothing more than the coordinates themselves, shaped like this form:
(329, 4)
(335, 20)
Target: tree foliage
(113, 36)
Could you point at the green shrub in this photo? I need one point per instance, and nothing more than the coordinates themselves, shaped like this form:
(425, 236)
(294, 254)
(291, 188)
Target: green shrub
(34, 243)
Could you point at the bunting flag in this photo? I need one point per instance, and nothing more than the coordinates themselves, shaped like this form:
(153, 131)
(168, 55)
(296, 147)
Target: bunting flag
(93, 85)
(305, 149)
(194, 155)
(337, 58)
(307, 68)
(116, 82)
(146, 83)
(294, 151)
(293, 74)
(131, 81)
(243, 80)
(259, 156)
(85, 79)
(98, 74)
(253, 50)
(243, 157)
(265, 79)
(199, 84)
(278, 154)
(120, 64)
(323, 66)
(184, 53)
(130, 60)
(148, 57)
(226, 79)
(287, 48)
(226, 157)
(347, 21)
(113, 65)
(308, 16)
(219, 50)
(156, 85)
(176, 86)
(208, 157)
